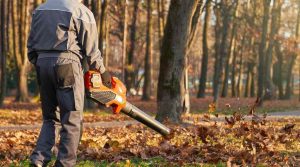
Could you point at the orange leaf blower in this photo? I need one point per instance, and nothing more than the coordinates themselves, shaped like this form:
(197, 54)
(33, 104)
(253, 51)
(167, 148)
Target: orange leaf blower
(116, 98)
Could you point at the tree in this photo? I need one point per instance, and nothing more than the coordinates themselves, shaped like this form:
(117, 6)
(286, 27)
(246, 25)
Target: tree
(262, 49)
(125, 32)
(231, 50)
(148, 56)
(129, 72)
(217, 29)
(102, 29)
(172, 61)
(292, 53)
(160, 18)
(278, 66)
(222, 48)
(297, 36)
(275, 25)
(233, 69)
(240, 72)
(20, 25)
(192, 34)
(204, 63)
(291, 63)
(3, 47)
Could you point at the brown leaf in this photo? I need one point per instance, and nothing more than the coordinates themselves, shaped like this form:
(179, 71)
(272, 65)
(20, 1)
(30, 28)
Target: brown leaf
(230, 121)
(257, 102)
(206, 117)
(211, 107)
(202, 133)
(288, 128)
(237, 116)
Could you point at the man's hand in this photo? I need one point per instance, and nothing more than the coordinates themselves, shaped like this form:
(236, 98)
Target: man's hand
(106, 79)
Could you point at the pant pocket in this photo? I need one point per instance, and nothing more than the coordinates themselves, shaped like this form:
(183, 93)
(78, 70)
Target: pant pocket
(65, 75)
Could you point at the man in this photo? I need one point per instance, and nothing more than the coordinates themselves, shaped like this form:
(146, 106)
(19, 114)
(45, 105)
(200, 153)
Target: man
(63, 33)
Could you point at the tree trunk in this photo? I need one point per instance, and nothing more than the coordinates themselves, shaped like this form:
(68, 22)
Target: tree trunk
(269, 85)
(249, 79)
(20, 34)
(124, 51)
(262, 50)
(288, 88)
(194, 25)
(252, 86)
(159, 21)
(163, 20)
(237, 51)
(96, 10)
(230, 53)
(106, 44)
(22, 84)
(1, 45)
(129, 73)
(172, 60)
(217, 54)
(3, 48)
(204, 63)
(247, 86)
(277, 74)
(102, 32)
(186, 95)
(148, 57)
(240, 77)
(225, 11)
(297, 35)
(233, 72)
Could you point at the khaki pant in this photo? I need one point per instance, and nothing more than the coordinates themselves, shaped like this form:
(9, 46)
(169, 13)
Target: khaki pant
(60, 77)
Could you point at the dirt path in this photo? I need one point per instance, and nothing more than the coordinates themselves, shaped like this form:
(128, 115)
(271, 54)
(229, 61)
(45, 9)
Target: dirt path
(287, 113)
(115, 124)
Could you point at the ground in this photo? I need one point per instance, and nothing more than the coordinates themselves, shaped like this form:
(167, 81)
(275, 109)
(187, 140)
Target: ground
(226, 137)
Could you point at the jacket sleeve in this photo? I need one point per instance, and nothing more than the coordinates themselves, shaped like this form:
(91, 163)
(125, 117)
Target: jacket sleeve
(31, 53)
(88, 39)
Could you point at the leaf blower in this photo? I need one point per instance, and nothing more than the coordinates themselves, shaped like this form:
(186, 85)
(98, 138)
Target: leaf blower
(116, 98)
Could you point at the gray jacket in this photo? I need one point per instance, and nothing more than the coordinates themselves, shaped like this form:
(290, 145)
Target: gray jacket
(65, 26)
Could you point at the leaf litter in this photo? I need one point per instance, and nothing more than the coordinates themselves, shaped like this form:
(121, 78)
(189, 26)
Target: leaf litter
(236, 141)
